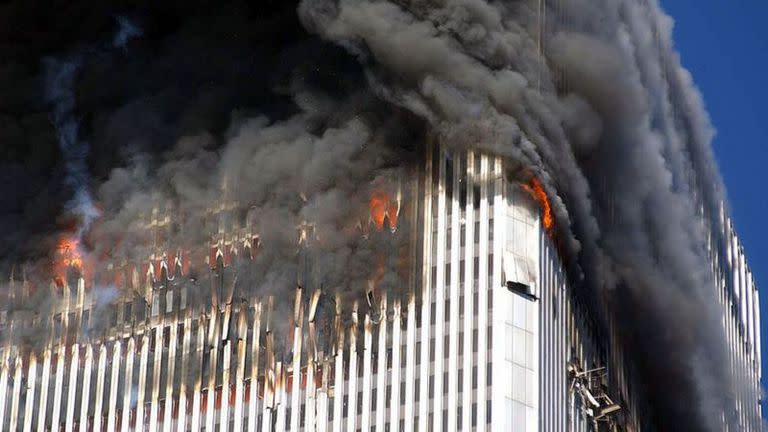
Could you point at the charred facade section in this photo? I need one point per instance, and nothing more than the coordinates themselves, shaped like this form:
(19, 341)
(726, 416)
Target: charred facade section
(467, 321)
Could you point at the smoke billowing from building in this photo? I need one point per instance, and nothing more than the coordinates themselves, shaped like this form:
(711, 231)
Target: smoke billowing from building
(290, 116)
(610, 121)
(59, 92)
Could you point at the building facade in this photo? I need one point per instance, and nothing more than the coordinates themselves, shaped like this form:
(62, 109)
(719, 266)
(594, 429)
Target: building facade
(489, 335)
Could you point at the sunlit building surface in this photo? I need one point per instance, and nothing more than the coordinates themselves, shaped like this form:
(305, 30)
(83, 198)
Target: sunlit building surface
(486, 335)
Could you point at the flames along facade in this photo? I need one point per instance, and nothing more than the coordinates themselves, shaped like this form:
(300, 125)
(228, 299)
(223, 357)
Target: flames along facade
(489, 335)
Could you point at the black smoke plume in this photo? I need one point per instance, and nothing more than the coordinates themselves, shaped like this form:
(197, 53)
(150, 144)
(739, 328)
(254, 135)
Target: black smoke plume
(293, 110)
(594, 101)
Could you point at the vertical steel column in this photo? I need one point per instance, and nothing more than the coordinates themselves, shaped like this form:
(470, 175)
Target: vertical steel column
(16, 394)
(482, 296)
(157, 364)
(181, 422)
(225, 370)
(72, 393)
(469, 287)
(453, 320)
(311, 400)
(426, 298)
(29, 404)
(113, 385)
(254, 383)
(352, 395)
(322, 398)
(497, 323)
(142, 381)
(365, 420)
(59, 380)
(169, 396)
(197, 389)
(296, 361)
(225, 387)
(213, 351)
(86, 397)
(309, 396)
(130, 355)
(270, 378)
(439, 288)
(397, 323)
(281, 397)
(4, 384)
(242, 334)
(100, 373)
(381, 376)
(410, 367)
(338, 386)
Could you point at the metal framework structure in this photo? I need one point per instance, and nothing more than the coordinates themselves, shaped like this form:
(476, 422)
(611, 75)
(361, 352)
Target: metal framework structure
(490, 336)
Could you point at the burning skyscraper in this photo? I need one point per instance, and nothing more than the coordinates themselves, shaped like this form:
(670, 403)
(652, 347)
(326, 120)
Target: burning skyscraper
(473, 216)
(482, 332)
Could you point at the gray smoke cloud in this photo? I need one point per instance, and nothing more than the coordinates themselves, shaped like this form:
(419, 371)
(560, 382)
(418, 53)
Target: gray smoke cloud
(60, 92)
(303, 165)
(60, 77)
(127, 30)
(595, 102)
(302, 185)
(61, 74)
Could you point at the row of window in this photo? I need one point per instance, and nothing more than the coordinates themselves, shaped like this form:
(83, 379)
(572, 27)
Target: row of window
(462, 271)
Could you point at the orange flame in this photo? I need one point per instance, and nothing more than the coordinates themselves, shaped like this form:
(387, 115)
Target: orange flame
(536, 190)
(379, 204)
(382, 206)
(68, 255)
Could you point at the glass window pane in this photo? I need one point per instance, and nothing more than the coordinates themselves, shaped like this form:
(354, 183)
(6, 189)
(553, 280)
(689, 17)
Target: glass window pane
(519, 349)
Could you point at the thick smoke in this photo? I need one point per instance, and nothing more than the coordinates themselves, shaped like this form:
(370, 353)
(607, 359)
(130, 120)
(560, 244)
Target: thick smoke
(306, 180)
(298, 173)
(595, 102)
(295, 123)
(195, 65)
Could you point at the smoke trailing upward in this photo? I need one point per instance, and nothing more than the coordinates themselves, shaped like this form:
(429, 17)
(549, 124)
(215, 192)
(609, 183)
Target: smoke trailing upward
(60, 93)
(595, 102)
(592, 100)
(126, 31)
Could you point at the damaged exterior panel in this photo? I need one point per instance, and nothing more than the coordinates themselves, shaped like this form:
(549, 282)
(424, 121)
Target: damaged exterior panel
(489, 335)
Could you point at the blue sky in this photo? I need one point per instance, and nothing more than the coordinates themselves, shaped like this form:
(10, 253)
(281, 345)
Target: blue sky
(725, 45)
